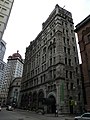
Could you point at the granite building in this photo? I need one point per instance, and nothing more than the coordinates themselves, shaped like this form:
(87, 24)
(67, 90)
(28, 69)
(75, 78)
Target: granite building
(83, 32)
(51, 75)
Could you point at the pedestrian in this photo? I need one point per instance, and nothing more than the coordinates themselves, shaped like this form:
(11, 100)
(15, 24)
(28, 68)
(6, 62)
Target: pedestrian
(56, 113)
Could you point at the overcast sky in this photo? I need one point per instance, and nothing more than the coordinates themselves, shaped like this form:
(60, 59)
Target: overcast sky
(27, 16)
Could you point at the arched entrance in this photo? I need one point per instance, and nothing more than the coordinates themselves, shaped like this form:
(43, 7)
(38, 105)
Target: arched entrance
(30, 101)
(35, 100)
(40, 99)
(22, 101)
(26, 100)
(51, 104)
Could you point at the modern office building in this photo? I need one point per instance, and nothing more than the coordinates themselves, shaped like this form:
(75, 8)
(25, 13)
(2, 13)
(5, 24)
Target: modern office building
(2, 49)
(51, 74)
(2, 68)
(5, 9)
(83, 32)
(2, 63)
(14, 69)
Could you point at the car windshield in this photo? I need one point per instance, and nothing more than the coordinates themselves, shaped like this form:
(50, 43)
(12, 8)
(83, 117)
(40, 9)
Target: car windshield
(86, 115)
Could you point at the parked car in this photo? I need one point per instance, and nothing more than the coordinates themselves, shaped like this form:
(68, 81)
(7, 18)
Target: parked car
(9, 107)
(85, 116)
(0, 108)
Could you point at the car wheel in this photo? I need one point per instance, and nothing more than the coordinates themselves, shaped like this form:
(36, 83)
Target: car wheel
(75, 119)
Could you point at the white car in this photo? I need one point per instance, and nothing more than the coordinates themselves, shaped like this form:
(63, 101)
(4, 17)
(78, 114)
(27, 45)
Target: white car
(85, 116)
(0, 108)
(9, 107)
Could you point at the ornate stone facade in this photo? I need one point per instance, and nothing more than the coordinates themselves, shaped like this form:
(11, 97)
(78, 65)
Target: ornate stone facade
(51, 75)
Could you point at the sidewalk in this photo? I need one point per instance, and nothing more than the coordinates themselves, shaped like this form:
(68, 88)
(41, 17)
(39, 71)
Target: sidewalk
(63, 116)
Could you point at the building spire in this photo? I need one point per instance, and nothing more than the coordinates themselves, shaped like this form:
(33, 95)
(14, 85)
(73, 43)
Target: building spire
(17, 51)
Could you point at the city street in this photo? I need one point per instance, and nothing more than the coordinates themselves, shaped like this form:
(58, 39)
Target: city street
(28, 115)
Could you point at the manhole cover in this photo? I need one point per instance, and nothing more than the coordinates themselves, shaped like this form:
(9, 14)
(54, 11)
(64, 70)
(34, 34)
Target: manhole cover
(20, 119)
(27, 117)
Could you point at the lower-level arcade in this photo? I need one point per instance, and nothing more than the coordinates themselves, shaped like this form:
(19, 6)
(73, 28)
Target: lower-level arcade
(51, 96)
(37, 100)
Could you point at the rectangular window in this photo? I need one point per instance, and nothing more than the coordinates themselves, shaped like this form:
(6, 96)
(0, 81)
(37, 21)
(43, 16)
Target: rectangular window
(54, 60)
(67, 32)
(66, 24)
(45, 57)
(71, 86)
(65, 60)
(68, 41)
(6, 2)
(74, 48)
(70, 74)
(66, 74)
(54, 49)
(37, 81)
(50, 61)
(76, 70)
(4, 9)
(71, 31)
(63, 30)
(54, 73)
(44, 77)
(50, 51)
(38, 70)
(69, 60)
(44, 50)
(69, 51)
(51, 74)
(75, 60)
(42, 68)
(42, 59)
(65, 49)
(1, 16)
(73, 39)
(51, 34)
(64, 39)
(77, 81)
(54, 31)
(67, 86)
(41, 79)
(54, 40)
(71, 25)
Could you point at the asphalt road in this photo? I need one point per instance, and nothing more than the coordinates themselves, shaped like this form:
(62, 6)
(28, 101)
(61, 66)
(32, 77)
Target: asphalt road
(27, 115)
